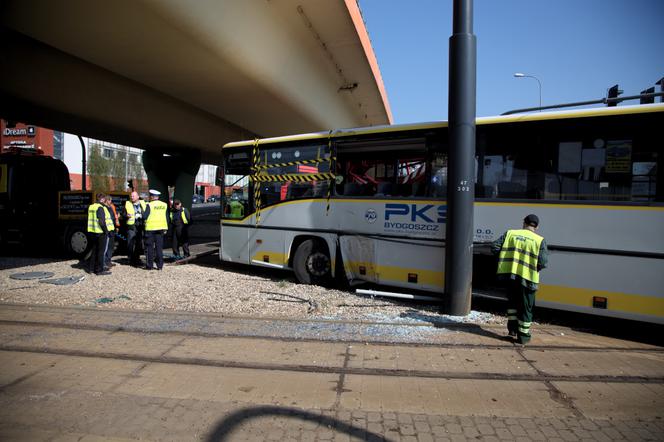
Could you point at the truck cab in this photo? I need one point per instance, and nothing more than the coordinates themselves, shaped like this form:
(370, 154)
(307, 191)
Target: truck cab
(29, 187)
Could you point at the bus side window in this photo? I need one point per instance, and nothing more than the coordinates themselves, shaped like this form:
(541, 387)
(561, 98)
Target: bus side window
(438, 180)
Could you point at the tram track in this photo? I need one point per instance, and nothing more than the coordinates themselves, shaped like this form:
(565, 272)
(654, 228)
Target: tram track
(296, 339)
(342, 371)
(13, 344)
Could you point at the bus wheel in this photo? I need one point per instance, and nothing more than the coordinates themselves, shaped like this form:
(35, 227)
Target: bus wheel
(312, 263)
(76, 242)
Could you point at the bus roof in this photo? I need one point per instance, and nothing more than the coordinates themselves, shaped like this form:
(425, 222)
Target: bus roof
(531, 116)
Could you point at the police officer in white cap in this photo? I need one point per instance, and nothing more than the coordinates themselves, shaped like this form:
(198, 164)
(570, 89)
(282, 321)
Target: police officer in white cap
(156, 225)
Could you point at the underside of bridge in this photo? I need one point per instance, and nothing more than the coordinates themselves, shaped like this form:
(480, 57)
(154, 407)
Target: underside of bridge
(184, 78)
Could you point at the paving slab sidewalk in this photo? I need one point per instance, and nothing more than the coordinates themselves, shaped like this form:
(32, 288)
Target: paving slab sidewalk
(86, 374)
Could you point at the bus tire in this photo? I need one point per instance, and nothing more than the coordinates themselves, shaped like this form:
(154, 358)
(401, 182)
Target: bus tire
(312, 263)
(76, 241)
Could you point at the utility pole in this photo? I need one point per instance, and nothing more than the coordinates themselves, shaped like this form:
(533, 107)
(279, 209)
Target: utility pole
(84, 165)
(461, 164)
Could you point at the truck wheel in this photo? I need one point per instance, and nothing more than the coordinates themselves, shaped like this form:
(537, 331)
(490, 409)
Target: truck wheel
(312, 263)
(76, 242)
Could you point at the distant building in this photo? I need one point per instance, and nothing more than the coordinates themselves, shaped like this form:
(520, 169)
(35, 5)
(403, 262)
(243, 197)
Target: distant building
(23, 136)
(67, 148)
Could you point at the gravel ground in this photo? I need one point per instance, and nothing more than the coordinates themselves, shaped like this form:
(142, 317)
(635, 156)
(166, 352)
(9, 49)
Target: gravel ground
(208, 285)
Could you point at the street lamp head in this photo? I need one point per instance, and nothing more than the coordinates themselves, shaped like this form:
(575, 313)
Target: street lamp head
(539, 83)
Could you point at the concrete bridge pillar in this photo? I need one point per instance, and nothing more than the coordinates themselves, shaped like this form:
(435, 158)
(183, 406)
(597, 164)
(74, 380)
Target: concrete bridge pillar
(177, 170)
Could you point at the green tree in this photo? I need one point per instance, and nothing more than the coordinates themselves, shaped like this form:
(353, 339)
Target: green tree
(118, 170)
(112, 173)
(99, 169)
(135, 173)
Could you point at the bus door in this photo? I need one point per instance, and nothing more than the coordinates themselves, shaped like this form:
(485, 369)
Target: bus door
(235, 206)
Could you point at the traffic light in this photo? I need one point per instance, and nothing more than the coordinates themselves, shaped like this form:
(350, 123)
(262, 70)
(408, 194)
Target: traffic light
(130, 184)
(612, 94)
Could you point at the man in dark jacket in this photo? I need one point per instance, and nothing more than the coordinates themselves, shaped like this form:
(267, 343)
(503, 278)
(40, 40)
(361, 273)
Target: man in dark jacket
(180, 221)
(522, 253)
(108, 263)
(100, 224)
(133, 214)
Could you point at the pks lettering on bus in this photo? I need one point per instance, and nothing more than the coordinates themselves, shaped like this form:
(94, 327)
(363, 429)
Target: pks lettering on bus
(395, 210)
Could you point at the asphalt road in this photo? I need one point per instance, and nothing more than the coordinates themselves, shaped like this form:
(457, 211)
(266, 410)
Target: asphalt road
(206, 212)
(205, 225)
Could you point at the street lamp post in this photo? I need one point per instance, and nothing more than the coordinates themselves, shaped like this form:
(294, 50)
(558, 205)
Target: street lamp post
(522, 75)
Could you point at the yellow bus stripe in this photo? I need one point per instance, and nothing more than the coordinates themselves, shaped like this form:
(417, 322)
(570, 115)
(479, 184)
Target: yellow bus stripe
(581, 297)
(274, 257)
(501, 119)
(399, 274)
(616, 301)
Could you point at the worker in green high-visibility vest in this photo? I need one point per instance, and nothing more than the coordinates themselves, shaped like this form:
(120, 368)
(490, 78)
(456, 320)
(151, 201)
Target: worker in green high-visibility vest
(522, 253)
(236, 207)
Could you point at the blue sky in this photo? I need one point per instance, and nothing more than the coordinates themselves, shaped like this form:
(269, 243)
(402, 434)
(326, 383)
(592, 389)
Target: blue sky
(577, 48)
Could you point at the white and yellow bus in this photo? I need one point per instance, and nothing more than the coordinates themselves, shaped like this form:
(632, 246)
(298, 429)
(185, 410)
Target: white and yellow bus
(368, 204)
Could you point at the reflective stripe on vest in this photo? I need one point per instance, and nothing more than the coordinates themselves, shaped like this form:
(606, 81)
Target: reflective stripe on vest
(157, 218)
(519, 254)
(129, 208)
(184, 218)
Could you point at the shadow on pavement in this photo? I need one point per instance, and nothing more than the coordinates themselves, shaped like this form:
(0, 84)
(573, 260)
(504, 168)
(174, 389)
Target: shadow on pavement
(442, 322)
(222, 431)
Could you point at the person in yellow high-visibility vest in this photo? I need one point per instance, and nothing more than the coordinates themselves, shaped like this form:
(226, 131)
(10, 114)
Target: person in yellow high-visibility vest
(108, 263)
(100, 224)
(156, 226)
(522, 253)
(133, 214)
(236, 208)
(180, 221)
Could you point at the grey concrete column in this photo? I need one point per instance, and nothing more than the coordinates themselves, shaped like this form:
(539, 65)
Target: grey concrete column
(177, 170)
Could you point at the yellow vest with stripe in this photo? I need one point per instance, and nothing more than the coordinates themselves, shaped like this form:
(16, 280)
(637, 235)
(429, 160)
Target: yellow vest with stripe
(129, 208)
(519, 254)
(93, 221)
(183, 216)
(157, 218)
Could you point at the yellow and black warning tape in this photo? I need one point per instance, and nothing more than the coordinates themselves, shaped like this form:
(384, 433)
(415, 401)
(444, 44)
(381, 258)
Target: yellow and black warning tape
(257, 189)
(292, 163)
(331, 166)
(296, 177)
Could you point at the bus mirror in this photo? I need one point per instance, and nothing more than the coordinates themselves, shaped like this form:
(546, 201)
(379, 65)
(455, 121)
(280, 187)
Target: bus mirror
(339, 179)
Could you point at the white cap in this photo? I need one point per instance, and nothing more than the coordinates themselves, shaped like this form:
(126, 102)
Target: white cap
(155, 192)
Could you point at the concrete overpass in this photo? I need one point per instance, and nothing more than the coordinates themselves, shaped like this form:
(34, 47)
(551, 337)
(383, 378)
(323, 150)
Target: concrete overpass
(183, 78)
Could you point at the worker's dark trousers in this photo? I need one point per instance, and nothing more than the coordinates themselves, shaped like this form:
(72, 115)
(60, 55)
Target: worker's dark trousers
(134, 244)
(520, 302)
(181, 239)
(110, 249)
(154, 243)
(99, 243)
